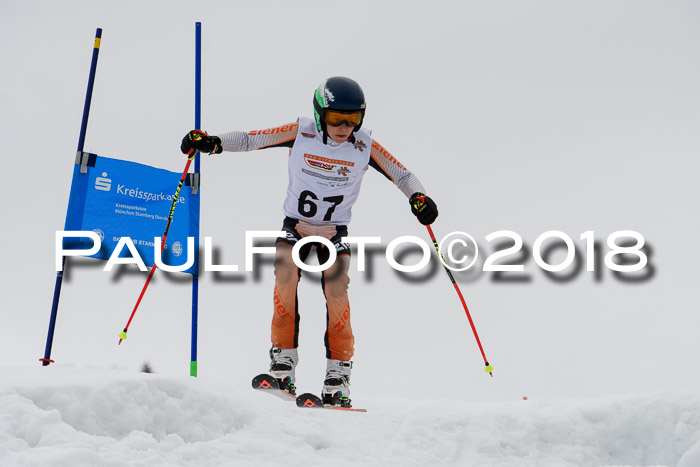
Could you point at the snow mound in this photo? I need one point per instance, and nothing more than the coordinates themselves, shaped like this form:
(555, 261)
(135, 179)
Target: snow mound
(61, 416)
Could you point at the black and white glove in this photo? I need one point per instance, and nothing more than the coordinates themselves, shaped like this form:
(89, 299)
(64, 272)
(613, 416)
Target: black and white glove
(424, 208)
(198, 140)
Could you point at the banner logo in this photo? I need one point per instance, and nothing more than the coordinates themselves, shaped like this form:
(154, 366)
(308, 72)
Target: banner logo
(177, 248)
(102, 183)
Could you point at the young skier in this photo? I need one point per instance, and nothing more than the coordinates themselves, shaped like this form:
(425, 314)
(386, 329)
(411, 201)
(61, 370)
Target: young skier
(328, 157)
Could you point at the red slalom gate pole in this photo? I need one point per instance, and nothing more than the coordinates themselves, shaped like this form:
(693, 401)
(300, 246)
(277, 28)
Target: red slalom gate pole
(190, 158)
(489, 368)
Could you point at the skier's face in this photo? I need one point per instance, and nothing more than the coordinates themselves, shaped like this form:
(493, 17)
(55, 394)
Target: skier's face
(339, 134)
(341, 123)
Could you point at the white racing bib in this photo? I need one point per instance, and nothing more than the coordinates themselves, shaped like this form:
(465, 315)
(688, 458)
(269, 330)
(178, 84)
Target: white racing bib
(324, 181)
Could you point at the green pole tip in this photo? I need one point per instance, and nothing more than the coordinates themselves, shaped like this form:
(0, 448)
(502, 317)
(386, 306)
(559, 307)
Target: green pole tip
(122, 335)
(193, 369)
(489, 369)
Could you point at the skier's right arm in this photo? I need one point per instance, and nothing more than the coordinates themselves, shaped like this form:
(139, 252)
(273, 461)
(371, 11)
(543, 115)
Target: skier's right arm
(281, 136)
(238, 141)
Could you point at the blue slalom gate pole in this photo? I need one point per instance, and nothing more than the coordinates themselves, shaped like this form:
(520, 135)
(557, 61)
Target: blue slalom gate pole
(197, 125)
(81, 141)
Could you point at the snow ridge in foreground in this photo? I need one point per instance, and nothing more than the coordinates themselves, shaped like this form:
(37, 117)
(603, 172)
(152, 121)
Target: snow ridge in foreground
(61, 416)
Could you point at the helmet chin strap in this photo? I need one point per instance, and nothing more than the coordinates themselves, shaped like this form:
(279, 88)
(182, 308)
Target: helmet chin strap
(324, 131)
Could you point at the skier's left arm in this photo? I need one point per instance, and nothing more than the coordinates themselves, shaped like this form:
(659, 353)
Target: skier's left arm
(422, 206)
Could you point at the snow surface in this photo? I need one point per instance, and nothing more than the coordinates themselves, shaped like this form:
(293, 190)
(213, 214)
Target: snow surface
(70, 416)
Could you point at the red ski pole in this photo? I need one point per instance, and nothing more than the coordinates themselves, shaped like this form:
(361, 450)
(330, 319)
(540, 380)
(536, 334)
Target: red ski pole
(489, 368)
(190, 158)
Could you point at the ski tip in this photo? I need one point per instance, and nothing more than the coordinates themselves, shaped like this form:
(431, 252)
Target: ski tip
(269, 384)
(265, 381)
(309, 400)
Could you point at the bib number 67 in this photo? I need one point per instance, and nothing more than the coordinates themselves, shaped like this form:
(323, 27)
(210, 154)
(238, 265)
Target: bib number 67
(308, 208)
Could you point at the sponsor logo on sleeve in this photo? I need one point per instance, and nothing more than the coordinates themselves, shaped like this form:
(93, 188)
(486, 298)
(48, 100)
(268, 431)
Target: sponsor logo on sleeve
(273, 131)
(380, 149)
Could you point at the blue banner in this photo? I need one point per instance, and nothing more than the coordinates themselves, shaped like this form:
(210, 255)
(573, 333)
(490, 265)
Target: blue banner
(116, 198)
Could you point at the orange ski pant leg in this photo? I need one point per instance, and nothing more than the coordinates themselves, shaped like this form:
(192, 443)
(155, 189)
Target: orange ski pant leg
(285, 319)
(339, 339)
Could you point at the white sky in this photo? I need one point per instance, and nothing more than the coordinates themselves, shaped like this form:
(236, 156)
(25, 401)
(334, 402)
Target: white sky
(525, 116)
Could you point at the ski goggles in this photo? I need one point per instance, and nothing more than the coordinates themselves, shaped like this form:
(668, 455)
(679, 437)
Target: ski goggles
(334, 118)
